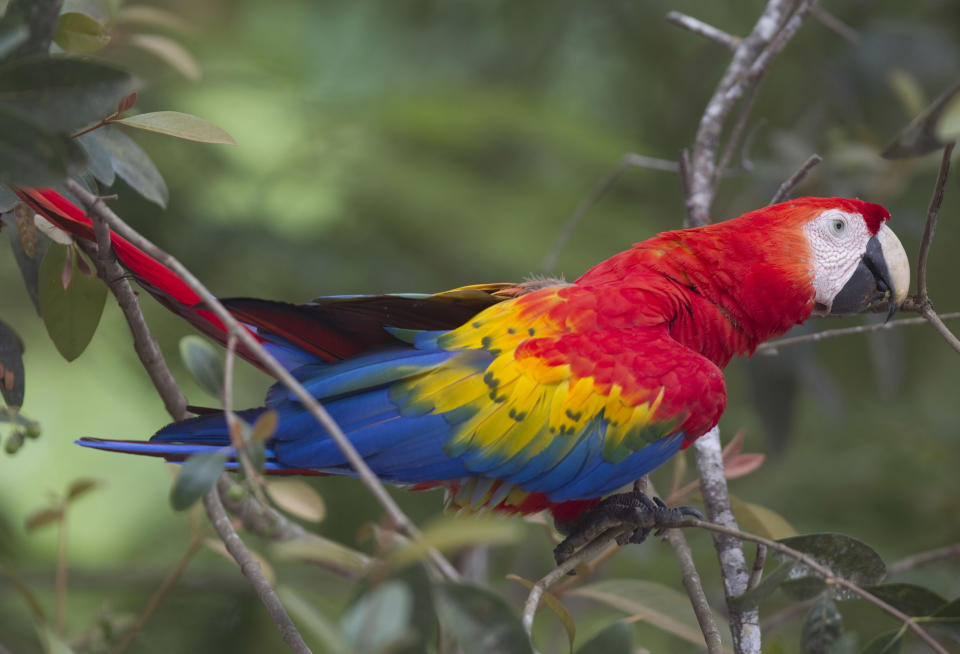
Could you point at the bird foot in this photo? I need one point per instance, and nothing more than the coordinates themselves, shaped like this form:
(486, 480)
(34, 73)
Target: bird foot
(633, 509)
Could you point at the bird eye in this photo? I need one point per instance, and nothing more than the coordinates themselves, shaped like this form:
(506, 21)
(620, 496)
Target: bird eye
(839, 226)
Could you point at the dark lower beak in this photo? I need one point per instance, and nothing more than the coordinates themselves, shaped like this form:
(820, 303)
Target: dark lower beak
(881, 278)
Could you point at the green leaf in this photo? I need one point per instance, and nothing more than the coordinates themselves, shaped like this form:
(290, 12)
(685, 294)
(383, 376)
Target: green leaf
(886, 643)
(52, 643)
(80, 34)
(936, 126)
(134, 165)
(615, 639)
(947, 619)
(479, 620)
(204, 363)
(11, 367)
(664, 607)
(63, 94)
(99, 159)
(760, 520)
(298, 498)
(912, 600)
(556, 606)
(171, 52)
(71, 314)
(423, 620)
(845, 556)
(197, 476)
(449, 533)
(183, 126)
(822, 627)
(380, 619)
(30, 155)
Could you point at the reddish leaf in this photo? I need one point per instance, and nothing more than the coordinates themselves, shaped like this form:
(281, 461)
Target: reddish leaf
(43, 517)
(127, 103)
(82, 486)
(734, 447)
(742, 464)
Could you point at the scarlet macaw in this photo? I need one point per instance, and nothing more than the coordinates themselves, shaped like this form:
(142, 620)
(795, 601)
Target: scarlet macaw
(539, 395)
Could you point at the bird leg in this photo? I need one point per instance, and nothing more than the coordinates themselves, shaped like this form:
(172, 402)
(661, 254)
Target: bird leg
(634, 509)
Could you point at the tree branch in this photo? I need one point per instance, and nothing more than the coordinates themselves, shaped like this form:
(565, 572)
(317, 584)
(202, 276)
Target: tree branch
(923, 558)
(930, 227)
(812, 161)
(698, 599)
(251, 569)
(772, 347)
(366, 475)
(700, 28)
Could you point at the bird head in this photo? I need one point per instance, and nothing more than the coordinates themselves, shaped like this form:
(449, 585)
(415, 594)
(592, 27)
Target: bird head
(858, 262)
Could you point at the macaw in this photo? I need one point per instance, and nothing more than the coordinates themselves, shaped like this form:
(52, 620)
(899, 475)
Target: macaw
(543, 394)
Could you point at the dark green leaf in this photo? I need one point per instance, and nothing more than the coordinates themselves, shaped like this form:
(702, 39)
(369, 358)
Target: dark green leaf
(885, 643)
(929, 131)
(912, 600)
(847, 557)
(14, 442)
(823, 626)
(63, 94)
(204, 363)
(752, 598)
(947, 619)
(197, 477)
(133, 165)
(257, 454)
(70, 315)
(380, 619)
(30, 155)
(180, 125)
(615, 639)
(80, 34)
(11, 366)
(99, 159)
(29, 265)
(479, 620)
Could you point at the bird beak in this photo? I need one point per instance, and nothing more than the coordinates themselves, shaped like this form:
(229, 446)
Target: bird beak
(882, 277)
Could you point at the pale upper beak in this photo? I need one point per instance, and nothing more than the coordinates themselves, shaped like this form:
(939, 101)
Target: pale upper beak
(882, 277)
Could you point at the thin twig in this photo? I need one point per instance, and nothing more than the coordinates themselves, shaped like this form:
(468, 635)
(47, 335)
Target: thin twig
(604, 184)
(937, 323)
(585, 553)
(759, 558)
(812, 161)
(923, 558)
(164, 589)
(771, 347)
(734, 139)
(930, 227)
(60, 613)
(698, 599)
(700, 28)
(834, 24)
(366, 475)
(252, 570)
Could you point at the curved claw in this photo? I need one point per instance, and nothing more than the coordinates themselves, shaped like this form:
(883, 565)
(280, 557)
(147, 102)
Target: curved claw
(690, 511)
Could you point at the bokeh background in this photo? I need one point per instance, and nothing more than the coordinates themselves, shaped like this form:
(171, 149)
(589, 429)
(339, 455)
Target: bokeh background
(426, 144)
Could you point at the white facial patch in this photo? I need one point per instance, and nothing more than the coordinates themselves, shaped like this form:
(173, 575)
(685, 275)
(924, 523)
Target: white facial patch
(838, 241)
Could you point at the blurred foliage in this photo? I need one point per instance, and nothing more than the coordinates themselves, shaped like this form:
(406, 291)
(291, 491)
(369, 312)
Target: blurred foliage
(426, 144)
